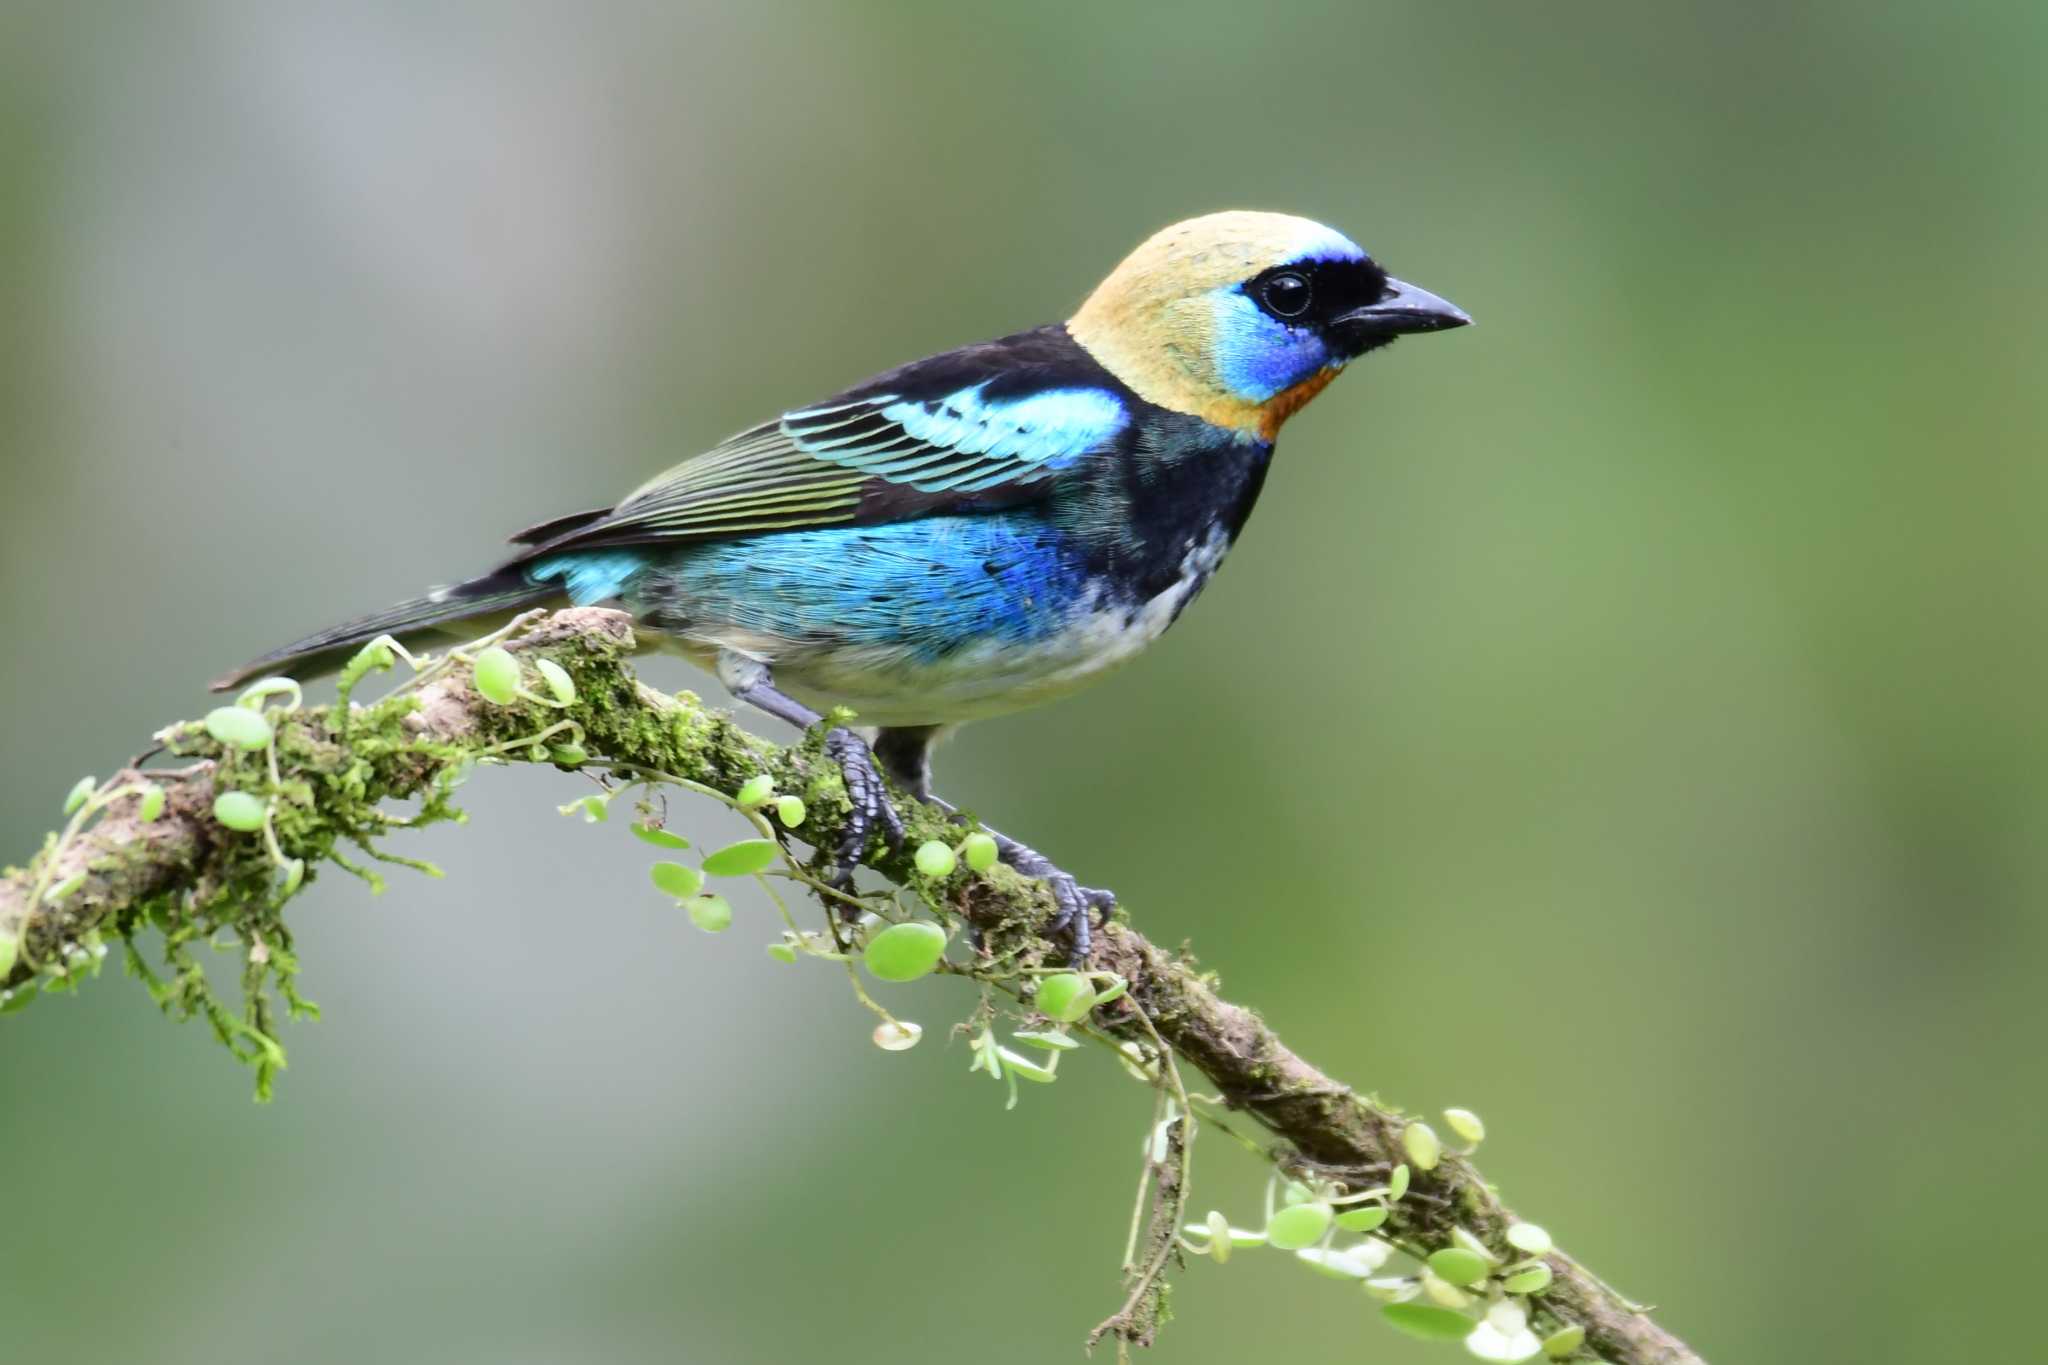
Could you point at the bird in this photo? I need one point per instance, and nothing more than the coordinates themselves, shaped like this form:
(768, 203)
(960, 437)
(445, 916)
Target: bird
(970, 534)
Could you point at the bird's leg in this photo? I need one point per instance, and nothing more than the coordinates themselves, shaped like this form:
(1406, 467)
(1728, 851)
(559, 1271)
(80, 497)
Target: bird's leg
(750, 681)
(905, 752)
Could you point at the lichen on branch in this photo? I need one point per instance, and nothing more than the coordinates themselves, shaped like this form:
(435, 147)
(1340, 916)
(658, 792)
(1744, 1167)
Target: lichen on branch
(210, 847)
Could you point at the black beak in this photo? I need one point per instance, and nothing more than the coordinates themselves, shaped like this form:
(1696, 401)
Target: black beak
(1401, 310)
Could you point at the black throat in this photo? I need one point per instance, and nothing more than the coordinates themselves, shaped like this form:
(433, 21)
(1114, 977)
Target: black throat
(1177, 498)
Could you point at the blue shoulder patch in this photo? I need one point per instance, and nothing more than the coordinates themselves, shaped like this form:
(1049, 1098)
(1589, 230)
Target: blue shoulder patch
(964, 442)
(589, 577)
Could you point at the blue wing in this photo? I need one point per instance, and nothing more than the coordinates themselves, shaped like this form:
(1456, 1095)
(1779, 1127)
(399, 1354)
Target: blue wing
(984, 434)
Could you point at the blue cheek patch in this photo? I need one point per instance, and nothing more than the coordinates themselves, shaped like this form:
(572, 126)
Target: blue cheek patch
(1257, 355)
(589, 578)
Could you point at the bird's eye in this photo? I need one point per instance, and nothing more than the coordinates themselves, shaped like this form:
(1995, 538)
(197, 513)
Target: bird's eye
(1287, 295)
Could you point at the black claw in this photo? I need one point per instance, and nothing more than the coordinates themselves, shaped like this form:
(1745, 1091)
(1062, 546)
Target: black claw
(1074, 901)
(869, 798)
(1077, 904)
(1072, 917)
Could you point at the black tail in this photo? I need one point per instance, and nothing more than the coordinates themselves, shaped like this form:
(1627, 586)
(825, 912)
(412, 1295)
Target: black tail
(502, 591)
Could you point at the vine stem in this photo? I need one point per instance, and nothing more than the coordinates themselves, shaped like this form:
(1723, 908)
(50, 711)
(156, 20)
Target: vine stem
(1133, 1323)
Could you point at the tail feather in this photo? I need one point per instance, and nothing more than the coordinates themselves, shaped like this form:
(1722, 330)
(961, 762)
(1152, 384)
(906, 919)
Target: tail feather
(324, 652)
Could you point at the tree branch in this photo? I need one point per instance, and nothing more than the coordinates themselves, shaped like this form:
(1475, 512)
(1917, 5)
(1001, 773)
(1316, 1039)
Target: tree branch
(326, 782)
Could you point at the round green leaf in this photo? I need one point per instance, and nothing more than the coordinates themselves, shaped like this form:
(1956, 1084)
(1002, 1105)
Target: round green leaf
(9, 951)
(743, 859)
(1397, 1183)
(1364, 1218)
(756, 790)
(1529, 1237)
(659, 837)
(1456, 1265)
(80, 790)
(151, 805)
(569, 755)
(1423, 1146)
(1565, 1340)
(558, 680)
(782, 952)
(712, 913)
(790, 811)
(979, 851)
(239, 810)
(1427, 1322)
(935, 859)
(904, 952)
(497, 676)
(294, 876)
(1065, 996)
(675, 879)
(1298, 1225)
(1534, 1280)
(1466, 1124)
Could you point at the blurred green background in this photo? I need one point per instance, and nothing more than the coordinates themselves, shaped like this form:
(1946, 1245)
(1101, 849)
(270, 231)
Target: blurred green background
(1624, 718)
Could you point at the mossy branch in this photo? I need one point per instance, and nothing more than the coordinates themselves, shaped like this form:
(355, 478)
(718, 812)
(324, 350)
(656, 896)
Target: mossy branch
(133, 860)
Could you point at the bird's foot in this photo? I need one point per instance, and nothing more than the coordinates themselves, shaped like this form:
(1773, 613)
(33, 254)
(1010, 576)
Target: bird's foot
(1076, 902)
(869, 797)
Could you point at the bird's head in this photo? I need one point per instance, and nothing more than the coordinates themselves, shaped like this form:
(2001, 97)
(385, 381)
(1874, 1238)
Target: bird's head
(1241, 318)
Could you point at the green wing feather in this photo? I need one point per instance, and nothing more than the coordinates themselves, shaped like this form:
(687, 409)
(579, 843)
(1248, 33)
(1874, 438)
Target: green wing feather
(759, 480)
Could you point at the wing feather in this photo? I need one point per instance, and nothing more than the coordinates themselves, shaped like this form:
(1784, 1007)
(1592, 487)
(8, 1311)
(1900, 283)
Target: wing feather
(879, 456)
